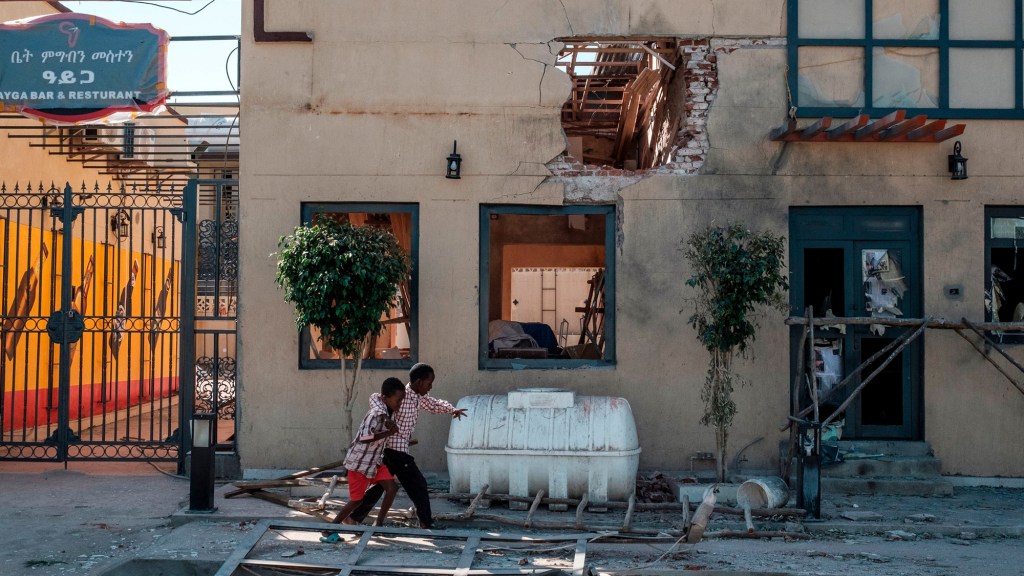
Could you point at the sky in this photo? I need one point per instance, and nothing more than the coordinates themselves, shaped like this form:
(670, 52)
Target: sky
(192, 66)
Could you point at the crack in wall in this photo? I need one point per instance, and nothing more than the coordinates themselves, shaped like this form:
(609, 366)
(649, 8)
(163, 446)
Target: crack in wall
(567, 21)
(544, 71)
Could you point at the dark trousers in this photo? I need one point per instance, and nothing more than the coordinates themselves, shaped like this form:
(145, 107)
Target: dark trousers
(403, 467)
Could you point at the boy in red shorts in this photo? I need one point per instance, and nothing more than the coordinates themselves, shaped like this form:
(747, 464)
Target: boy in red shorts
(364, 458)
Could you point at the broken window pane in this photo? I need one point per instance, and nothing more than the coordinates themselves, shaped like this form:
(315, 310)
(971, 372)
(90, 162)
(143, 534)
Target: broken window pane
(884, 285)
(981, 78)
(903, 19)
(831, 76)
(831, 19)
(906, 77)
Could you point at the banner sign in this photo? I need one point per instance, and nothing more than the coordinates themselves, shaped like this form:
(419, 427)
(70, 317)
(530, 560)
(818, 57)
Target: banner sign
(77, 67)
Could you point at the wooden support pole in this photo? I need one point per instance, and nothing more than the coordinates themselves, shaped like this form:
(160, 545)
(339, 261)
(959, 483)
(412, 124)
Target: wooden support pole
(850, 377)
(328, 493)
(686, 512)
(856, 392)
(795, 398)
(628, 521)
(533, 508)
(476, 501)
(579, 512)
(988, 357)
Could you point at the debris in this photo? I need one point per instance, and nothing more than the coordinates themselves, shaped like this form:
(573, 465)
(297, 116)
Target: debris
(293, 553)
(894, 535)
(858, 516)
(873, 557)
(656, 488)
(968, 536)
(916, 518)
(702, 516)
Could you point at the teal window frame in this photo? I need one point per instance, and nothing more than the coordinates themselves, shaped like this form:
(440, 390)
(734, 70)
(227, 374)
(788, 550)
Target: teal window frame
(1001, 243)
(943, 44)
(608, 359)
(311, 208)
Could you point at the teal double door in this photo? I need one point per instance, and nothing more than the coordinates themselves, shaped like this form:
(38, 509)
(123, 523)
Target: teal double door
(861, 262)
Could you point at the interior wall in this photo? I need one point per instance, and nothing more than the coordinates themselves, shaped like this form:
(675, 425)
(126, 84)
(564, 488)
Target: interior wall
(539, 256)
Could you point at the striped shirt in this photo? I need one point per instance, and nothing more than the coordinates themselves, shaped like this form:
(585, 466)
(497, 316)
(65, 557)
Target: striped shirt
(409, 412)
(365, 457)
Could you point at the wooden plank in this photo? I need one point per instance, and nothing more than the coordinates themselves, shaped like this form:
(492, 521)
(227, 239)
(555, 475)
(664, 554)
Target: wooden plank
(848, 127)
(926, 130)
(951, 132)
(579, 560)
(468, 555)
(903, 127)
(782, 131)
(817, 128)
(353, 558)
(880, 124)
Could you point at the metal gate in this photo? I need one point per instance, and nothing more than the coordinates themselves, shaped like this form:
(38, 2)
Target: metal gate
(93, 301)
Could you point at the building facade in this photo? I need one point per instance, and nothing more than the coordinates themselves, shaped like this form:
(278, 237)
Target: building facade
(594, 138)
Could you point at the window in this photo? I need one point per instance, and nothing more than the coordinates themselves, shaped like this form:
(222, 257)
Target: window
(547, 286)
(1004, 261)
(395, 346)
(943, 58)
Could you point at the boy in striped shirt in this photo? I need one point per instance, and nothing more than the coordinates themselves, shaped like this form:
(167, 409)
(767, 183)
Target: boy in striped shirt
(364, 460)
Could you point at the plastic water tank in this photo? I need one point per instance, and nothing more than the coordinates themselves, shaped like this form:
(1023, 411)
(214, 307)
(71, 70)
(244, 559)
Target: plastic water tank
(545, 439)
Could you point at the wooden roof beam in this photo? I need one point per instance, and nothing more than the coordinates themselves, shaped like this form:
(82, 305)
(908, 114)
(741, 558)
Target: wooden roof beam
(848, 127)
(926, 130)
(816, 128)
(903, 128)
(880, 124)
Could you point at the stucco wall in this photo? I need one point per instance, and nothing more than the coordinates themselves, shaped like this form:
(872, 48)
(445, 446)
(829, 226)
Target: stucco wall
(368, 111)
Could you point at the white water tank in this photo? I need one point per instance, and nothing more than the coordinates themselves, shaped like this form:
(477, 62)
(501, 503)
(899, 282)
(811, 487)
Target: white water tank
(545, 439)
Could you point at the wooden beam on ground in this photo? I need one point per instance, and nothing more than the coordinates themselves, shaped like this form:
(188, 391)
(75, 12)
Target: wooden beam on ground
(299, 474)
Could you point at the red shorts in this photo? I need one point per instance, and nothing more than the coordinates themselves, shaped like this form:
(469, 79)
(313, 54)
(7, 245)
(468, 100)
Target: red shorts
(358, 482)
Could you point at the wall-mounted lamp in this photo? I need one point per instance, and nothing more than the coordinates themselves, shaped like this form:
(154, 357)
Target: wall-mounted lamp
(158, 237)
(957, 164)
(454, 163)
(121, 223)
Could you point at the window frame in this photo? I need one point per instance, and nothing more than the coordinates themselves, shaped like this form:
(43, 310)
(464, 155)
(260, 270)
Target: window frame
(609, 213)
(990, 243)
(311, 208)
(943, 44)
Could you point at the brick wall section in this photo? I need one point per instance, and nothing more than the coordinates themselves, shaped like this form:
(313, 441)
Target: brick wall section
(700, 74)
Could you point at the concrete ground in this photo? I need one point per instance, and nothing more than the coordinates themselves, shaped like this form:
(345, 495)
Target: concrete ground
(117, 519)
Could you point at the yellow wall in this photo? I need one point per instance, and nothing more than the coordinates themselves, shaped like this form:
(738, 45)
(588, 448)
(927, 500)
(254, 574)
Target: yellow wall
(368, 112)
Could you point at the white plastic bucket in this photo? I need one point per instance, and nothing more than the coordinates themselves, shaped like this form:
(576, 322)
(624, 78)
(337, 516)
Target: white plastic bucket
(771, 492)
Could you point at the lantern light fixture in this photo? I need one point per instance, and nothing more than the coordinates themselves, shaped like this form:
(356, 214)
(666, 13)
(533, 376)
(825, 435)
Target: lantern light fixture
(957, 164)
(454, 163)
(158, 237)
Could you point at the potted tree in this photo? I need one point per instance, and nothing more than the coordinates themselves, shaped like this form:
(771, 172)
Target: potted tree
(735, 272)
(341, 279)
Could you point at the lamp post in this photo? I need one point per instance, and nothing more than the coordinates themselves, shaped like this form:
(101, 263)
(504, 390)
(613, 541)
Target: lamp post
(201, 477)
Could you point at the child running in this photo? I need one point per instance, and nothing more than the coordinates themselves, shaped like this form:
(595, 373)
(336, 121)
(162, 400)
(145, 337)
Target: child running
(364, 458)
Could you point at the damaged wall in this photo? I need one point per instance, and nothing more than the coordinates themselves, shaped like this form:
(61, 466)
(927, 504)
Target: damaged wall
(368, 111)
